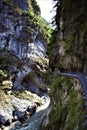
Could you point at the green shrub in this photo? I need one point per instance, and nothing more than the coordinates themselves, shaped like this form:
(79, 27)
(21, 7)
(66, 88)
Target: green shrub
(3, 76)
(52, 41)
(69, 43)
(35, 6)
(37, 20)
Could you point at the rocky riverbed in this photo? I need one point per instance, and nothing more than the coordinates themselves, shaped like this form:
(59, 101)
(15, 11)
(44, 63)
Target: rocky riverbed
(26, 114)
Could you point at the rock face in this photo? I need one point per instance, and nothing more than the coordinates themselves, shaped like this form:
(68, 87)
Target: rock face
(68, 53)
(68, 105)
(71, 19)
(23, 59)
(15, 37)
(22, 4)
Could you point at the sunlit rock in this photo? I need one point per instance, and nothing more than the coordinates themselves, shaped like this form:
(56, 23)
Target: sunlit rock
(23, 59)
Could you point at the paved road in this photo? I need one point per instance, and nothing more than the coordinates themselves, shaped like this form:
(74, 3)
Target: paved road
(83, 80)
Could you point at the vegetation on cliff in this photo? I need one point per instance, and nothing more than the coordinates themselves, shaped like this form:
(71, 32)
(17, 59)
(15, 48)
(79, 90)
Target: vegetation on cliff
(68, 106)
(3, 75)
(33, 16)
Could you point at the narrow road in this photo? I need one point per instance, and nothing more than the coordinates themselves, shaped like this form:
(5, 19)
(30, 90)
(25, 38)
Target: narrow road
(83, 80)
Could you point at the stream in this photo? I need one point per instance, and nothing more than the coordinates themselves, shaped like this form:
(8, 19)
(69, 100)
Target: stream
(40, 117)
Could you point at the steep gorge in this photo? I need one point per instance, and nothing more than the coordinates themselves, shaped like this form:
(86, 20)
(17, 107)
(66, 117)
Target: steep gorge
(26, 73)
